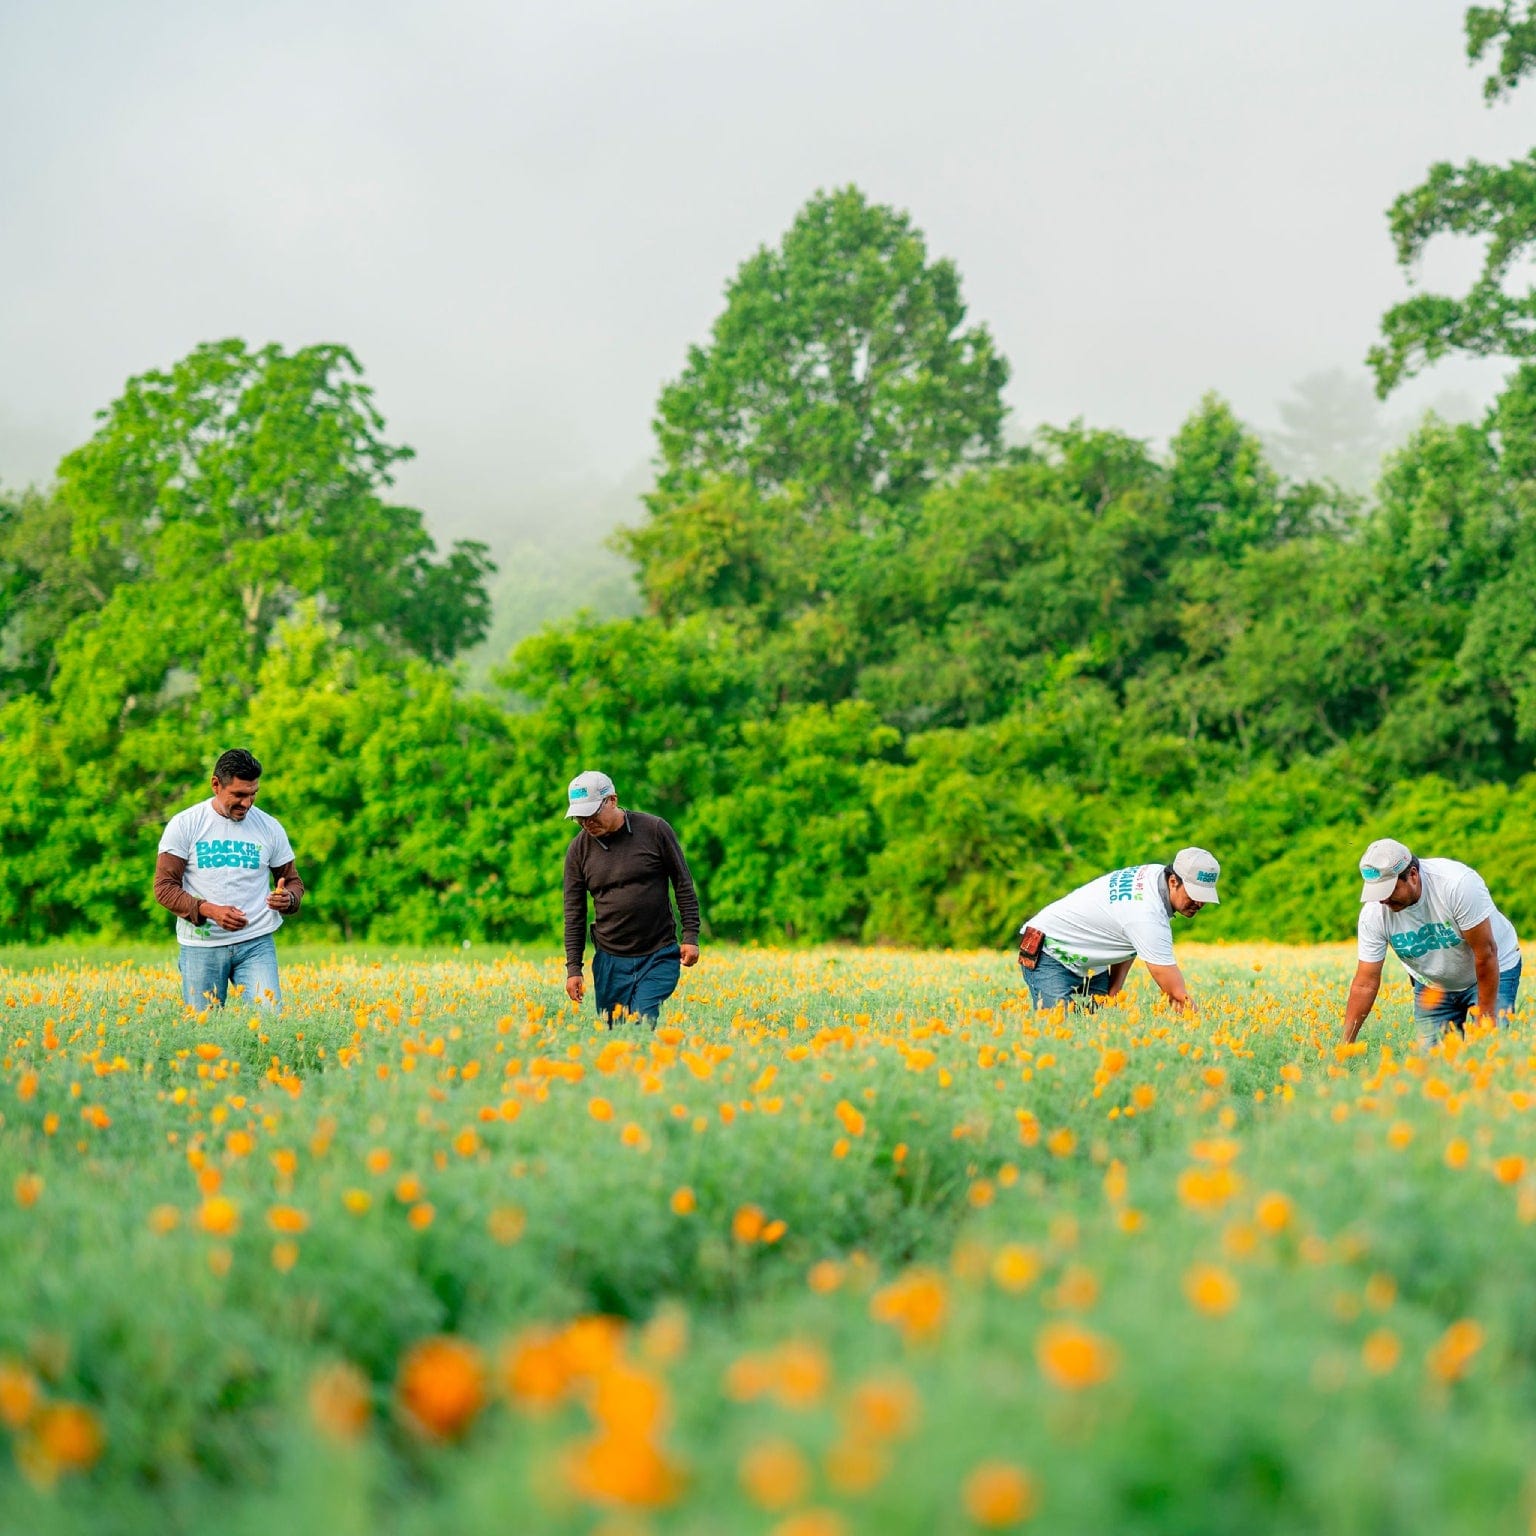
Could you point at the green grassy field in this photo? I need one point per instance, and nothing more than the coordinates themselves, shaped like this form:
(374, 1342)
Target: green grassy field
(853, 1243)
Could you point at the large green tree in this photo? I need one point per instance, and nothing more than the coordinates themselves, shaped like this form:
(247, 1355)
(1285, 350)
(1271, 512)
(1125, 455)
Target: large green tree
(239, 482)
(841, 366)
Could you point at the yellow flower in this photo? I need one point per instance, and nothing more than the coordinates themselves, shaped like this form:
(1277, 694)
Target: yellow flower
(774, 1474)
(915, 1303)
(1015, 1268)
(19, 1394)
(1455, 1350)
(623, 1470)
(825, 1277)
(219, 1216)
(506, 1223)
(1211, 1289)
(1381, 1351)
(67, 1437)
(747, 1224)
(1274, 1212)
(1208, 1189)
(441, 1387)
(287, 1218)
(998, 1495)
(340, 1401)
(1074, 1357)
(883, 1407)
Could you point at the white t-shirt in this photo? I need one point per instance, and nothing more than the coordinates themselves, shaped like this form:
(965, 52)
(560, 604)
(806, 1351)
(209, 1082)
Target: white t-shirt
(1119, 916)
(229, 864)
(1427, 937)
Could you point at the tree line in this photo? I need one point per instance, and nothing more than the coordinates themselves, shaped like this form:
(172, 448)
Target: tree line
(898, 679)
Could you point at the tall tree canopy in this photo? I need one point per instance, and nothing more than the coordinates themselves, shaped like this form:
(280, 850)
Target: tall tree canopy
(245, 481)
(838, 367)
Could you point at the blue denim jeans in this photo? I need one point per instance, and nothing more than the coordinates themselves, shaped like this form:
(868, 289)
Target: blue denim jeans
(218, 967)
(1450, 1009)
(636, 983)
(1051, 983)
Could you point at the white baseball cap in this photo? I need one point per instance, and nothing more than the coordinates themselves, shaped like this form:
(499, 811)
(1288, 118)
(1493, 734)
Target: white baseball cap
(587, 793)
(1380, 865)
(1199, 871)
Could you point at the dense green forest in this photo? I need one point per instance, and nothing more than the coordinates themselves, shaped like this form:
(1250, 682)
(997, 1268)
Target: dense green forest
(897, 678)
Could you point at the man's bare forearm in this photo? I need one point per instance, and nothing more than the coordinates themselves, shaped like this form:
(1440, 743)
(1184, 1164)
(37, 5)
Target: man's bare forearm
(1488, 986)
(1362, 998)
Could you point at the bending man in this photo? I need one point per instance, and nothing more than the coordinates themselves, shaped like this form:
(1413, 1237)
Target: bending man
(1081, 948)
(1455, 944)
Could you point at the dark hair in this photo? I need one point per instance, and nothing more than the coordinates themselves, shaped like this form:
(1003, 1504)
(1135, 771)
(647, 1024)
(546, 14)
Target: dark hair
(237, 763)
(1412, 866)
(1169, 872)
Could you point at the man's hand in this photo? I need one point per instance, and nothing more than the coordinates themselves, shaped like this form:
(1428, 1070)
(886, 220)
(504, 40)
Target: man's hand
(280, 900)
(230, 919)
(575, 987)
(1171, 979)
(688, 953)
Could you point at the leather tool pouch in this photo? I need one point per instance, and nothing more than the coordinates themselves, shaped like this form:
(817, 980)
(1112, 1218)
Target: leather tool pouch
(1029, 948)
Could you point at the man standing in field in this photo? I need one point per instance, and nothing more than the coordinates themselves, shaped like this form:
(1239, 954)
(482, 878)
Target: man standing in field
(1081, 948)
(1455, 944)
(626, 860)
(212, 872)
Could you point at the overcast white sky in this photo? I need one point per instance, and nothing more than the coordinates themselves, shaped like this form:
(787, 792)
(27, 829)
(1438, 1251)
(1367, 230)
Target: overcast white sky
(519, 215)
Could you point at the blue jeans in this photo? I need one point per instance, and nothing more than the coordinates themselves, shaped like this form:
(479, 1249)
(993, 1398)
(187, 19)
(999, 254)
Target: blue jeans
(636, 983)
(1449, 1009)
(1051, 983)
(214, 969)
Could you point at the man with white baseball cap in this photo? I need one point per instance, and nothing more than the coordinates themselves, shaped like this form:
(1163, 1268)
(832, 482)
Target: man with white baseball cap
(1440, 920)
(1081, 948)
(625, 860)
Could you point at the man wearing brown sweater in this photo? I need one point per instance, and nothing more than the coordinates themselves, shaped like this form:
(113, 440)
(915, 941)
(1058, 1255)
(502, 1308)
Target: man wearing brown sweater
(626, 861)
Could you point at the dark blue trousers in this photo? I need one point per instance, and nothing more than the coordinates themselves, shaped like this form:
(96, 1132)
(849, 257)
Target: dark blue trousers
(636, 983)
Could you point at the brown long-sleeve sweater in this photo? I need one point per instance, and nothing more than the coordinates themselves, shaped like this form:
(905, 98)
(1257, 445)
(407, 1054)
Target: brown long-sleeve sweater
(627, 874)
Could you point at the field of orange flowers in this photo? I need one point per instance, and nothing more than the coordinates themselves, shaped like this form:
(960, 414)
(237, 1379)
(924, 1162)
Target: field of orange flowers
(853, 1243)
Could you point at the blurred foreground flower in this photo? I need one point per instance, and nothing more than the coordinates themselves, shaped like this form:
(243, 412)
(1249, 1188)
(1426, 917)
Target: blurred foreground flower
(340, 1401)
(441, 1387)
(1455, 1350)
(998, 1495)
(915, 1302)
(64, 1438)
(1074, 1357)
